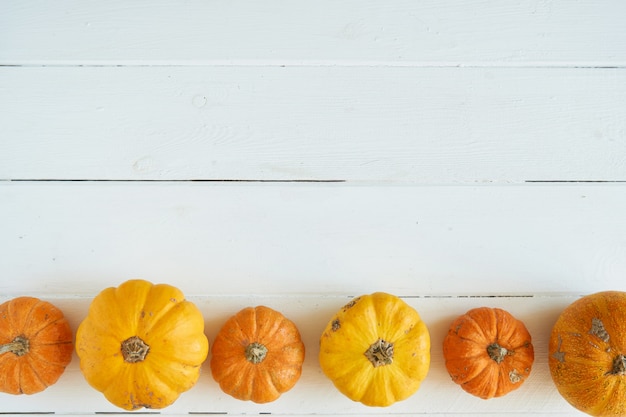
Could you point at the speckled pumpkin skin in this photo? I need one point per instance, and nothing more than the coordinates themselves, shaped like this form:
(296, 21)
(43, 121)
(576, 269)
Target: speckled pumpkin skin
(586, 341)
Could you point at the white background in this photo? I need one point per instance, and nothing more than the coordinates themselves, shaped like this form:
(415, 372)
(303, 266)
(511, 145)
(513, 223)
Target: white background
(299, 153)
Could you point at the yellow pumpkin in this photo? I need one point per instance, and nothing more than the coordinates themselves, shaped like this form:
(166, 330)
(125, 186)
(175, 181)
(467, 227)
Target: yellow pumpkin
(587, 354)
(376, 350)
(141, 344)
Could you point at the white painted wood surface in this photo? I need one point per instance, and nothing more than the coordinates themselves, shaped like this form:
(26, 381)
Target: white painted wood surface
(324, 32)
(336, 239)
(425, 125)
(305, 249)
(455, 153)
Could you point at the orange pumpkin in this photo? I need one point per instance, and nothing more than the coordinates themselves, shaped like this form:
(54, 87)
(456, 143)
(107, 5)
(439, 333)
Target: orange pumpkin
(35, 345)
(587, 354)
(488, 352)
(257, 355)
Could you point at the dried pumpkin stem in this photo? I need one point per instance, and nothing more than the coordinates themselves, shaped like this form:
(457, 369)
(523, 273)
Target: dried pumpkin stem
(619, 365)
(380, 353)
(255, 352)
(134, 349)
(19, 346)
(497, 352)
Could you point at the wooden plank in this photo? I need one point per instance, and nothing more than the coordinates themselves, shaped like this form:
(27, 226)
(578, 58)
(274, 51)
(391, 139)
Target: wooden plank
(275, 32)
(425, 125)
(234, 238)
(314, 393)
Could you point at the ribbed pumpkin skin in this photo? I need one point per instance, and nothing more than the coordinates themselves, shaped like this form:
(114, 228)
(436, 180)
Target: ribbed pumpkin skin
(353, 331)
(159, 315)
(586, 340)
(466, 352)
(50, 345)
(277, 373)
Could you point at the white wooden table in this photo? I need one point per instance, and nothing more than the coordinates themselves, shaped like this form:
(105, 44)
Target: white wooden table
(299, 153)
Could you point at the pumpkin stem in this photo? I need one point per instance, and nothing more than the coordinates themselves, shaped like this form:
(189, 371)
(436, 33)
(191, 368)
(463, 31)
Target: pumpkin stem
(255, 352)
(619, 365)
(497, 352)
(134, 349)
(19, 346)
(380, 353)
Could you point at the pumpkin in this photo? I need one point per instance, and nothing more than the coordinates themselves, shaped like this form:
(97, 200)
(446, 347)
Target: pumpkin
(35, 345)
(488, 352)
(587, 354)
(376, 350)
(257, 355)
(141, 344)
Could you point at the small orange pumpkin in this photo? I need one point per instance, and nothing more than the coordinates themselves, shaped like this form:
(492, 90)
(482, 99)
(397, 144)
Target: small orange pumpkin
(488, 352)
(587, 354)
(35, 345)
(257, 355)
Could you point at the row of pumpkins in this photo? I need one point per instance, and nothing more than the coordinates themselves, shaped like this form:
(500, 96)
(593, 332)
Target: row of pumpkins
(142, 345)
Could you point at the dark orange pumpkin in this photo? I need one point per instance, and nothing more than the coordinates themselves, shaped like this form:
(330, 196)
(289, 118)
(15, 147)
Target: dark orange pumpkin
(257, 355)
(587, 354)
(488, 352)
(35, 345)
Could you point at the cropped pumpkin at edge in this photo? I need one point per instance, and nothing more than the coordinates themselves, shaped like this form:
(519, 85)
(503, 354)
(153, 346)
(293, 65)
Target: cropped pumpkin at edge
(141, 344)
(36, 345)
(257, 355)
(587, 353)
(376, 350)
(488, 352)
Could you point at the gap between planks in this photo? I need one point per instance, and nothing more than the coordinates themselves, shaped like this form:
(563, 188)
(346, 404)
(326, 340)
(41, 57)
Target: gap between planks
(322, 64)
(323, 181)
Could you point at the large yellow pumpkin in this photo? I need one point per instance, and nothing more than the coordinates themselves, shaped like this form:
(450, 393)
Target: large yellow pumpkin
(376, 350)
(587, 354)
(141, 344)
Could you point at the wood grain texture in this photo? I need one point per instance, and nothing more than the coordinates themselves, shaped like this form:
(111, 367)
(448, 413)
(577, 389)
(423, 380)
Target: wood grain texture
(276, 32)
(423, 125)
(76, 238)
